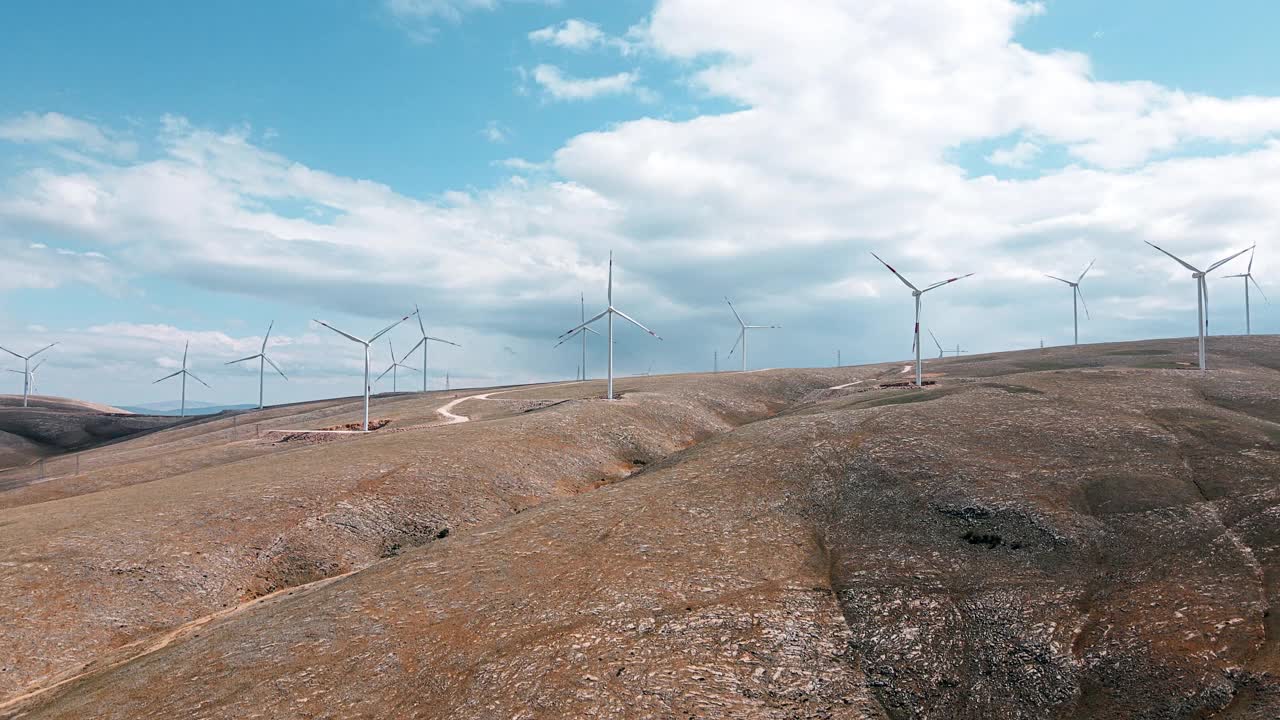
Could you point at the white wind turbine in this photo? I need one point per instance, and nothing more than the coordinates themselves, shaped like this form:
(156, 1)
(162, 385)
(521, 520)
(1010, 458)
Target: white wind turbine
(742, 334)
(943, 353)
(263, 360)
(395, 365)
(1248, 277)
(1076, 293)
(185, 374)
(610, 311)
(1202, 294)
(366, 344)
(582, 330)
(916, 293)
(423, 344)
(26, 369)
(31, 374)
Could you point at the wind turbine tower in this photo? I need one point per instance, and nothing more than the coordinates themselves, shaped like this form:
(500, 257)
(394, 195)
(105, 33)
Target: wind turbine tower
(395, 365)
(917, 293)
(1248, 277)
(582, 330)
(365, 344)
(26, 369)
(742, 334)
(608, 313)
(1202, 295)
(263, 361)
(182, 412)
(423, 344)
(1076, 293)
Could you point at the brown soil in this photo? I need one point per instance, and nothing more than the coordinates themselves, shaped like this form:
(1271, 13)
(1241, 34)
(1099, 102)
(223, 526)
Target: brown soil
(1080, 538)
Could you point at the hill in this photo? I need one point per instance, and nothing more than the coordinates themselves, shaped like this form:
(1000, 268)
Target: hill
(1077, 532)
(174, 407)
(51, 426)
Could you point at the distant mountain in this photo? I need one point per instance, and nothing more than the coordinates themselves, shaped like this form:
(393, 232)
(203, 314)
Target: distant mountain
(173, 407)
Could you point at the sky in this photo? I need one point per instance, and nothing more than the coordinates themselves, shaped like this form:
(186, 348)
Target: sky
(176, 172)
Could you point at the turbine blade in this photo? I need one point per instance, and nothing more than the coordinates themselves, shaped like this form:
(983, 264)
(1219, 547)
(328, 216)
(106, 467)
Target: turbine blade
(935, 341)
(23, 373)
(567, 338)
(635, 322)
(1264, 295)
(46, 347)
(579, 327)
(185, 347)
(442, 340)
(166, 377)
(418, 312)
(763, 327)
(940, 283)
(415, 347)
(267, 337)
(1080, 293)
(1086, 270)
(1224, 261)
(593, 332)
(1251, 254)
(409, 367)
(610, 298)
(37, 367)
(193, 377)
(12, 353)
(1224, 277)
(735, 342)
(384, 372)
(277, 367)
(251, 357)
(895, 272)
(1055, 277)
(1181, 262)
(392, 326)
(345, 335)
(735, 312)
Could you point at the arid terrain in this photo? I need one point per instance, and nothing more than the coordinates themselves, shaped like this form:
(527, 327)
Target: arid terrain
(1087, 532)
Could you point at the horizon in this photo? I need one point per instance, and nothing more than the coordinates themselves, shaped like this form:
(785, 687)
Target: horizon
(343, 162)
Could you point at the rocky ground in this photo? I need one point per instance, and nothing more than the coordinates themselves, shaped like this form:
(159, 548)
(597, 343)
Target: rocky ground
(1079, 532)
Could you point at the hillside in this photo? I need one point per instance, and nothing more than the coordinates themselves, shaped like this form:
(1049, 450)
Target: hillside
(50, 426)
(1077, 532)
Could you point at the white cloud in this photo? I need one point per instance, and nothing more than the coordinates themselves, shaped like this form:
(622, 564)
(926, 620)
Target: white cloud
(495, 132)
(572, 34)
(581, 35)
(841, 144)
(561, 87)
(1017, 156)
(55, 127)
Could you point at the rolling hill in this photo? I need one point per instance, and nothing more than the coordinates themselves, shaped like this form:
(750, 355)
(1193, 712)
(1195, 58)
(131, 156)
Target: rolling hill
(1077, 532)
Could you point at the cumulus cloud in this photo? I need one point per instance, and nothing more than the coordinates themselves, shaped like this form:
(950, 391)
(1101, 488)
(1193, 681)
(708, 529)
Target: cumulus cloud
(581, 35)
(559, 86)
(1017, 156)
(842, 142)
(55, 127)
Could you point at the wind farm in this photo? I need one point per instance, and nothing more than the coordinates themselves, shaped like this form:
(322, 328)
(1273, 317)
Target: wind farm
(589, 518)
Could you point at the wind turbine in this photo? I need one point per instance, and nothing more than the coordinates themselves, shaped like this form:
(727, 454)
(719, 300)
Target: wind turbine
(1248, 276)
(32, 373)
(582, 330)
(1076, 293)
(1202, 294)
(610, 311)
(395, 364)
(366, 344)
(423, 343)
(916, 293)
(742, 334)
(185, 374)
(262, 359)
(26, 369)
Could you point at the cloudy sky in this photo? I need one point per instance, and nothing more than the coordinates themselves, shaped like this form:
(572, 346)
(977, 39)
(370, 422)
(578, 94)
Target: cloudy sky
(180, 171)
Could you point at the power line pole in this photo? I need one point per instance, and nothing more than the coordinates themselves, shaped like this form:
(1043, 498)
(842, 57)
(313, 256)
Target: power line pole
(838, 363)
(715, 359)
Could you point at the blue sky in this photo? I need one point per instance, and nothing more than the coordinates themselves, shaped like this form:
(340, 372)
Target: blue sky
(172, 172)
